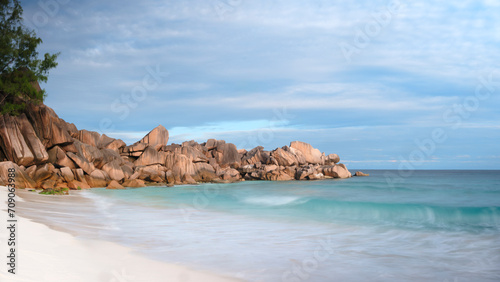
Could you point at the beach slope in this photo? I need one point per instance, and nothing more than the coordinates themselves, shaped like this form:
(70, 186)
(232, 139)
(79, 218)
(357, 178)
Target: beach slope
(44, 254)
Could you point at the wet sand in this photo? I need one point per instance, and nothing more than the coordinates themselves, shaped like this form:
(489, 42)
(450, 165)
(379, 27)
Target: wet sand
(50, 252)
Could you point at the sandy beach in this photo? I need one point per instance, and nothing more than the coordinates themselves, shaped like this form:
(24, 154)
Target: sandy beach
(45, 254)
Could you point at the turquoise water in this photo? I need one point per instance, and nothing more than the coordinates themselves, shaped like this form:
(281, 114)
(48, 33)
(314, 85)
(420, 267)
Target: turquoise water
(432, 226)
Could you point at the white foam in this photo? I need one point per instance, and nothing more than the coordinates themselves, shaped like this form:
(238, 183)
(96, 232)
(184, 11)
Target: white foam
(274, 200)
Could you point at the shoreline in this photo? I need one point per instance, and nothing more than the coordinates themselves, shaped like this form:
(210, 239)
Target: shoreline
(44, 253)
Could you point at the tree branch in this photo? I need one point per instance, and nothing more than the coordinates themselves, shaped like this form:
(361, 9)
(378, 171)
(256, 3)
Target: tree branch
(4, 67)
(4, 97)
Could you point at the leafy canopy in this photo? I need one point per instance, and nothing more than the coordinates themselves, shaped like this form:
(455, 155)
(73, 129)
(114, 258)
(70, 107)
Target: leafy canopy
(20, 66)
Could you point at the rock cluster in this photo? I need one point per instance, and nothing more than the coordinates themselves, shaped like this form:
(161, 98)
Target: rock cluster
(48, 152)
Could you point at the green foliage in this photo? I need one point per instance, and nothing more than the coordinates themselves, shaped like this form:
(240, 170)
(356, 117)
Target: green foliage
(55, 191)
(20, 66)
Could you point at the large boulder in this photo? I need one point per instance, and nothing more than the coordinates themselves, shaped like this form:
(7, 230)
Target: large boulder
(58, 157)
(89, 137)
(21, 179)
(204, 172)
(304, 172)
(179, 164)
(170, 178)
(194, 153)
(12, 142)
(211, 144)
(332, 159)
(151, 174)
(231, 174)
(337, 171)
(301, 160)
(116, 145)
(106, 142)
(359, 173)
(114, 170)
(30, 171)
(35, 145)
(284, 177)
(79, 175)
(226, 154)
(134, 183)
(157, 136)
(50, 129)
(76, 185)
(284, 157)
(316, 176)
(256, 155)
(82, 163)
(151, 157)
(44, 173)
(269, 168)
(188, 179)
(98, 178)
(90, 153)
(171, 148)
(67, 174)
(312, 155)
(247, 168)
(276, 175)
(114, 185)
(110, 155)
(72, 130)
(134, 150)
(127, 170)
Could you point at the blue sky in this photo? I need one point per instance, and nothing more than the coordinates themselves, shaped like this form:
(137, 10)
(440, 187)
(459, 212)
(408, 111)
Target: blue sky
(369, 80)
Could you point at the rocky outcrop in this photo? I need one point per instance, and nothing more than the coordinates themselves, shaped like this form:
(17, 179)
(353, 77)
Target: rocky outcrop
(114, 185)
(14, 146)
(150, 156)
(82, 163)
(49, 128)
(359, 173)
(311, 155)
(225, 154)
(89, 137)
(332, 159)
(134, 183)
(98, 178)
(77, 185)
(21, 179)
(337, 171)
(157, 136)
(58, 157)
(34, 144)
(114, 170)
(256, 155)
(48, 152)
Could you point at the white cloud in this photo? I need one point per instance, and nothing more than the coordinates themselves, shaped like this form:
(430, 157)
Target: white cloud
(265, 55)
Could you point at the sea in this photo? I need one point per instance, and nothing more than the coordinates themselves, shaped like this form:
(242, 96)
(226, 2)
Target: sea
(424, 225)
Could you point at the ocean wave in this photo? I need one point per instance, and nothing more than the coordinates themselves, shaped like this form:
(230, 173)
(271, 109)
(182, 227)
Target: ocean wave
(455, 217)
(275, 200)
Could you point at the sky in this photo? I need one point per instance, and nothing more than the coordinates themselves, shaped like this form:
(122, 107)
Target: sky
(383, 84)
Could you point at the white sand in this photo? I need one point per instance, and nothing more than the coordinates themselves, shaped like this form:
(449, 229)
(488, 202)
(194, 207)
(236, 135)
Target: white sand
(44, 254)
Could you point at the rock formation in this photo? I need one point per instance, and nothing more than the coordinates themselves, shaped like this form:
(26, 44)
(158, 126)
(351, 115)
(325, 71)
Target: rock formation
(359, 173)
(48, 152)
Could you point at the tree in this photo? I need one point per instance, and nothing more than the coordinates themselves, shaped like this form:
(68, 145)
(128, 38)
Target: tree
(20, 66)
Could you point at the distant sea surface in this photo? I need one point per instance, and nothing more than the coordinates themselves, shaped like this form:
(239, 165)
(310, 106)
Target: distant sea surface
(426, 226)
